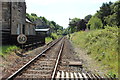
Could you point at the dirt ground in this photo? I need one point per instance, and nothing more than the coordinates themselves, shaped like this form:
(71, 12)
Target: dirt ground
(8, 62)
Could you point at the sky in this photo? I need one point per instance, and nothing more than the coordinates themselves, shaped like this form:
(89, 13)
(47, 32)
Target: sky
(61, 10)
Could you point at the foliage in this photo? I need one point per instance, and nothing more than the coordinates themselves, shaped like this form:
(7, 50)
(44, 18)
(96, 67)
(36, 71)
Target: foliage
(95, 23)
(108, 15)
(81, 25)
(73, 24)
(48, 39)
(102, 45)
(87, 18)
(54, 36)
(33, 14)
(116, 11)
(111, 20)
(7, 49)
(104, 11)
(66, 31)
(77, 24)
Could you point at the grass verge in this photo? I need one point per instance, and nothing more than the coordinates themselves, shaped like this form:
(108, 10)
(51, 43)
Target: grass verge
(4, 50)
(101, 45)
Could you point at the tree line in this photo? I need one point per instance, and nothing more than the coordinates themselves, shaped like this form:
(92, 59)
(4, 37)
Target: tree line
(107, 16)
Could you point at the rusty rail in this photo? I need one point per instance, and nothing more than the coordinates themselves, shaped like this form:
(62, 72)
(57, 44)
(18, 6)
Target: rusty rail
(57, 61)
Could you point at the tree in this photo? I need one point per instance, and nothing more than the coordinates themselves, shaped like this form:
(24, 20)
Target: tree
(73, 24)
(111, 20)
(105, 10)
(95, 23)
(54, 23)
(87, 18)
(81, 25)
(33, 14)
(44, 19)
(116, 10)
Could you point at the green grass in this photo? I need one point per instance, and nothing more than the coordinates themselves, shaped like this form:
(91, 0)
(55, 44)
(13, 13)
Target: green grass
(54, 36)
(102, 45)
(4, 50)
(48, 39)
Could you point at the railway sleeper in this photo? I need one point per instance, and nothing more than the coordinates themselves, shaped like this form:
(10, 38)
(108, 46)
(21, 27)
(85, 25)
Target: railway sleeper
(80, 76)
(38, 72)
(32, 71)
(40, 75)
(32, 76)
(41, 68)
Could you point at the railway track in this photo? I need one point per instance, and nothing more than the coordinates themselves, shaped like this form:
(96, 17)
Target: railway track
(44, 65)
(58, 62)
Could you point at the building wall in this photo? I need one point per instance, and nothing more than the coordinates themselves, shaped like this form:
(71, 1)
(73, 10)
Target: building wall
(5, 15)
(29, 29)
(18, 10)
(13, 14)
(0, 23)
(0, 15)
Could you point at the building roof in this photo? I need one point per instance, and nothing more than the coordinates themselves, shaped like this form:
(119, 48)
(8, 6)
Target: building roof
(29, 21)
(44, 30)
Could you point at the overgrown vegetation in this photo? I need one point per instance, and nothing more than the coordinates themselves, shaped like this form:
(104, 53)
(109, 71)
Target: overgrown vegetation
(52, 37)
(48, 39)
(7, 49)
(102, 45)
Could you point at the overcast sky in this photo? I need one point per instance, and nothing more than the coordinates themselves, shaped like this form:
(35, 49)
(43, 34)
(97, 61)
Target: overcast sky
(61, 10)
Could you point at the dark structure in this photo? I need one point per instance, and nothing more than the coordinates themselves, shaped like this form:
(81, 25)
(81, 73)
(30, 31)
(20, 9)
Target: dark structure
(14, 22)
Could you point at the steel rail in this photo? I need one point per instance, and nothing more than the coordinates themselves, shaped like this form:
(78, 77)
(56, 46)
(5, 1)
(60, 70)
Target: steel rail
(11, 77)
(57, 61)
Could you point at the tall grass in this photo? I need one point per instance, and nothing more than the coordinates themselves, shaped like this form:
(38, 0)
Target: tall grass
(102, 45)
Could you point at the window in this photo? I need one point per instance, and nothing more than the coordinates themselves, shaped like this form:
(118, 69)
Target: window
(23, 29)
(18, 28)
